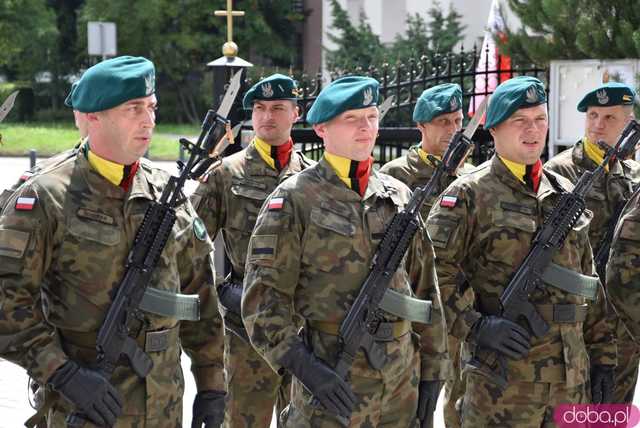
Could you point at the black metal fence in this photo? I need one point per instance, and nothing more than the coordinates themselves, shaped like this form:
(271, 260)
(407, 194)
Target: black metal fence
(406, 82)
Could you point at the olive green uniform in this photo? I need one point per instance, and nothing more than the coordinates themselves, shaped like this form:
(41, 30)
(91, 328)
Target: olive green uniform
(60, 264)
(308, 256)
(414, 172)
(229, 200)
(607, 195)
(483, 225)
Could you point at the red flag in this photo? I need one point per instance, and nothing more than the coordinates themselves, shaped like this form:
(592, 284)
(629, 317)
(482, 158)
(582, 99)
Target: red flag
(490, 59)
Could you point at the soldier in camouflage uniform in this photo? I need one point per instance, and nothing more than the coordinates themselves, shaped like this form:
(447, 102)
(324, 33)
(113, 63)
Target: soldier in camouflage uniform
(308, 256)
(65, 235)
(438, 116)
(483, 225)
(229, 200)
(623, 272)
(608, 109)
(81, 124)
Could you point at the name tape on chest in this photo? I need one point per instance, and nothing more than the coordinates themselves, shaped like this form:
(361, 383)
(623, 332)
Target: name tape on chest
(25, 203)
(275, 204)
(448, 201)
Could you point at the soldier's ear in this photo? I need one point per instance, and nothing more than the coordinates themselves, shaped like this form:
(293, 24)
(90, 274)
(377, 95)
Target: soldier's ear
(321, 129)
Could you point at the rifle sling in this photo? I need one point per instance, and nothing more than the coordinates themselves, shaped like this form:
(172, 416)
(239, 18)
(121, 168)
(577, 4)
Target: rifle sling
(406, 307)
(570, 281)
(184, 307)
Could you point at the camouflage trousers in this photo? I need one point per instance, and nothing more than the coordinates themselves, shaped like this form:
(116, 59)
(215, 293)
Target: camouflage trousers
(253, 388)
(386, 398)
(173, 419)
(627, 369)
(453, 387)
(521, 404)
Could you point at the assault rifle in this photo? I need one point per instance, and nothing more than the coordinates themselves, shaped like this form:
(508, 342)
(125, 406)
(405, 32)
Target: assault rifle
(548, 239)
(114, 338)
(601, 253)
(358, 328)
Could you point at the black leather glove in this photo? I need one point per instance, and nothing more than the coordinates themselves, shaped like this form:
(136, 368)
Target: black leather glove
(91, 393)
(208, 409)
(428, 391)
(320, 380)
(502, 335)
(230, 296)
(602, 383)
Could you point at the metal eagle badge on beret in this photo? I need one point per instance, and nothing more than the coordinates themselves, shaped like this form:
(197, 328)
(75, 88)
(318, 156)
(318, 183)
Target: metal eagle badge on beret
(602, 97)
(532, 95)
(267, 90)
(453, 104)
(367, 97)
(149, 83)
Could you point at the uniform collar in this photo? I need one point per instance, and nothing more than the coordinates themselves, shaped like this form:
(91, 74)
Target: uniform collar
(500, 170)
(418, 167)
(581, 159)
(96, 183)
(257, 167)
(375, 187)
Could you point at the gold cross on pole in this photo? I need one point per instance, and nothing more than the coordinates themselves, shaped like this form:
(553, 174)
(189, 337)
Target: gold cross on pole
(229, 13)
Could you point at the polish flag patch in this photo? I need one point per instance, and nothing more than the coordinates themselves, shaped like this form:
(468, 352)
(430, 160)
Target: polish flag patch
(275, 204)
(448, 201)
(26, 175)
(25, 203)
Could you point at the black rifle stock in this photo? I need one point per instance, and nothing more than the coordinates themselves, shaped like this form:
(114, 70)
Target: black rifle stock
(124, 317)
(364, 316)
(548, 239)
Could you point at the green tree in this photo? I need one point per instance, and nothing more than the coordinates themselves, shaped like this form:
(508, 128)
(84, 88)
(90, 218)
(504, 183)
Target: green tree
(182, 36)
(357, 45)
(439, 35)
(553, 29)
(27, 38)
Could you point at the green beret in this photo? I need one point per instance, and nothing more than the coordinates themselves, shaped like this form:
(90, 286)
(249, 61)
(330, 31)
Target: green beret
(440, 99)
(67, 101)
(346, 93)
(511, 95)
(275, 87)
(609, 94)
(113, 82)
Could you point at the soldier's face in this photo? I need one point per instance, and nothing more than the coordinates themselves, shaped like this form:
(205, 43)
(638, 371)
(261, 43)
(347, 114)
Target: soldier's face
(606, 123)
(122, 134)
(437, 134)
(352, 134)
(521, 138)
(272, 120)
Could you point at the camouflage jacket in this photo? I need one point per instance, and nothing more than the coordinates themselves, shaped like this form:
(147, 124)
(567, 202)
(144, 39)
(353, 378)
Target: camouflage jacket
(40, 166)
(61, 261)
(623, 268)
(231, 195)
(414, 172)
(482, 231)
(309, 254)
(607, 193)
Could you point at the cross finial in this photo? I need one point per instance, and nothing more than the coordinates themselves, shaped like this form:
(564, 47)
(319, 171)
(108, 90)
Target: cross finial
(229, 48)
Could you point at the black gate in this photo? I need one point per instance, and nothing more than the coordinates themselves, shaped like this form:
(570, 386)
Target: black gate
(406, 82)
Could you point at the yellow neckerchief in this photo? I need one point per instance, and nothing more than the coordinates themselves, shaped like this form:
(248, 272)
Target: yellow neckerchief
(594, 152)
(112, 171)
(341, 166)
(423, 155)
(265, 152)
(517, 169)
